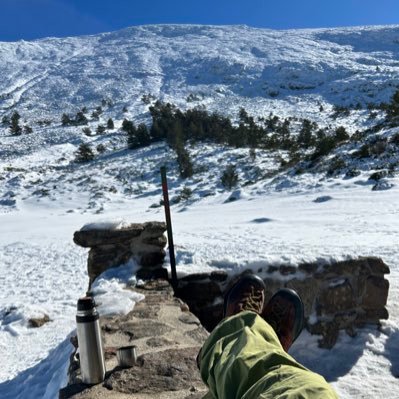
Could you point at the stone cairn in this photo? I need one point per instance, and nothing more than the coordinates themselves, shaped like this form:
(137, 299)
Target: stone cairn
(337, 296)
(143, 242)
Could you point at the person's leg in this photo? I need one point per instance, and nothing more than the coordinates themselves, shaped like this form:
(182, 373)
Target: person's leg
(243, 358)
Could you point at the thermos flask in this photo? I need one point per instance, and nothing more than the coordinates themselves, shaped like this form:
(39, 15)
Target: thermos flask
(91, 354)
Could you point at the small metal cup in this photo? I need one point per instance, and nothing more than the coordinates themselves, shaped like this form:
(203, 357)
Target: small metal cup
(127, 356)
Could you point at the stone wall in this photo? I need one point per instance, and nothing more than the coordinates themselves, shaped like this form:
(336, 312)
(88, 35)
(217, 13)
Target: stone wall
(143, 242)
(338, 296)
(167, 338)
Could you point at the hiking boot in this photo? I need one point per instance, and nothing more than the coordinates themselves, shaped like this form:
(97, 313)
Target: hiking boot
(248, 293)
(284, 312)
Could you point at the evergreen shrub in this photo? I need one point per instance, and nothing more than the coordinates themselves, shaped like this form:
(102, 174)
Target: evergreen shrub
(229, 177)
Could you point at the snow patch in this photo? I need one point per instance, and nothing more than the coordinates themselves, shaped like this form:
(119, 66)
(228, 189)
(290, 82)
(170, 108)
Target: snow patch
(112, 291)
(105, 225)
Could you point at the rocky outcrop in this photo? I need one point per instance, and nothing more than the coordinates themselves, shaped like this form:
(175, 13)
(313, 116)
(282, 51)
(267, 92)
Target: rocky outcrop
(338, 296)
(168, 338)
(36, 322)
(143, 242)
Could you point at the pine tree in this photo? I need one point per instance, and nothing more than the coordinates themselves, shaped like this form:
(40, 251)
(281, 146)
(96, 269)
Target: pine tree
(132, 141)
(137, 137)
(393, 108)
(254, 135)
(100, 129)
(271, 122)
(143, 135)
(248, 132)
(341, 134)
(284, 132)
(110, 124)
(86, 131)
(304, 138)
(243, 116)
(174, 135)
(163, 119)
(186, 193)
(229, 177)
(237, 136)
(95, 115)
(84, 153)
(127, 125)
(324, 146)
(65, 120)
(101, 148)
(15, 129)
(156, 131)
(252, 154)
(80, 119)
(186, 169)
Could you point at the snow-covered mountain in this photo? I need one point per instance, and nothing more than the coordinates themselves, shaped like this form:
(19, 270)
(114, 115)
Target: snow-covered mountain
(263, 68)
(276, 214)
(294, 73)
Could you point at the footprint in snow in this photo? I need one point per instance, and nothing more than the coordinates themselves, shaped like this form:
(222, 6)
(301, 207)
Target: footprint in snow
(261, 220)
(323, 198)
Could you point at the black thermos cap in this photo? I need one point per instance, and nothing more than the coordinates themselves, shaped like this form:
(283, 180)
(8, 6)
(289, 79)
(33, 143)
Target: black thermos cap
(86, 303)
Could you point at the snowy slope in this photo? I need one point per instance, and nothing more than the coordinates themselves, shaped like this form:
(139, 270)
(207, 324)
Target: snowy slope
(276, 216)
(268, 68)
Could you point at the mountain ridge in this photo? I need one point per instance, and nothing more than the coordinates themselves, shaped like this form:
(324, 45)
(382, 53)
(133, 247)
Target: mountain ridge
(237, 61)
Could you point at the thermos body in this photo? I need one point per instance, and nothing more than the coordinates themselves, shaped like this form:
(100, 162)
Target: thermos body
(91, 354)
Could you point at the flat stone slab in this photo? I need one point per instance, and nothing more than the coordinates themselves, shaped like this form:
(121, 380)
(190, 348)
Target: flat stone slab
(99, 236)
(167, 370)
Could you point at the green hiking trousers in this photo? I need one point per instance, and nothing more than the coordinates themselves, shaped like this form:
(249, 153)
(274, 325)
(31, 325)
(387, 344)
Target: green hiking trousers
(243, 359)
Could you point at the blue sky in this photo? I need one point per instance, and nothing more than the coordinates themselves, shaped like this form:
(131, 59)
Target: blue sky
(31, 19)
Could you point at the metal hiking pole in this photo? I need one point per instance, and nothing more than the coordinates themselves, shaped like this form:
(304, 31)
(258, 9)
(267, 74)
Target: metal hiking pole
(169, 227)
